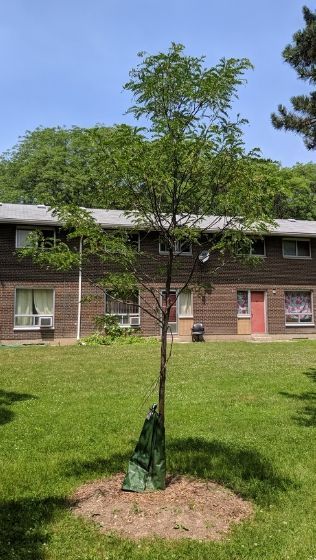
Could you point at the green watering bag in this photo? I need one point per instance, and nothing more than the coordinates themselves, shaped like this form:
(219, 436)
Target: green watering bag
(147, 466)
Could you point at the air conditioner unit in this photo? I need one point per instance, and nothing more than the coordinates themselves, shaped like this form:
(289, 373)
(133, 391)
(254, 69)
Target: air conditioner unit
(134, 321)
(45, 322)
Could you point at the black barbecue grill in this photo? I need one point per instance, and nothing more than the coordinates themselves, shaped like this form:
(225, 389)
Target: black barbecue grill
(198, 332)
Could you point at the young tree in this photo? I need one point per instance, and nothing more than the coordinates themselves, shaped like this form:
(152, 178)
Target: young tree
(185, 165)
(301, 55)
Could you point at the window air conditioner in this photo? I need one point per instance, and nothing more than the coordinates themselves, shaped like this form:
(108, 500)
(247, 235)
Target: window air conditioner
(134, 321)
(45, 322)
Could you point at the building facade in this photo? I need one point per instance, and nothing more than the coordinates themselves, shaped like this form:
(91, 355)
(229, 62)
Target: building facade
(275, 297)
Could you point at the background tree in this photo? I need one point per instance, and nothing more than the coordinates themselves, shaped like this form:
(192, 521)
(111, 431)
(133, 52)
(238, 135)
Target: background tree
(294, 188)
(301, 55)
(58, 165)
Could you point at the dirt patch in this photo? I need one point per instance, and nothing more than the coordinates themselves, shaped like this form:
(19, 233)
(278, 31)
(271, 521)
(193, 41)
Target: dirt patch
(188, 508)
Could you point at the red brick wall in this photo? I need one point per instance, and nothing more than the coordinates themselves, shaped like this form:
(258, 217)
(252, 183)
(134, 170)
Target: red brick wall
(216, 309)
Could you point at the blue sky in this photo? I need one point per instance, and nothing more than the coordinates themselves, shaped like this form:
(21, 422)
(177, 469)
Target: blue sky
(64, 62)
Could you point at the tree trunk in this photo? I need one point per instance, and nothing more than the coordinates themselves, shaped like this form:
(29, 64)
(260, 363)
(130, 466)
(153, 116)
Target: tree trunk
(163, 367)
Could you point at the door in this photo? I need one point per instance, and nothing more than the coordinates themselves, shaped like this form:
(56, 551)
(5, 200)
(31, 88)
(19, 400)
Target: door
(173, 317)
(258, 312)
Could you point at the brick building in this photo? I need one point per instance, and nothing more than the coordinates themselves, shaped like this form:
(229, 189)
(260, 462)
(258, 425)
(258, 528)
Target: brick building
(275, 297)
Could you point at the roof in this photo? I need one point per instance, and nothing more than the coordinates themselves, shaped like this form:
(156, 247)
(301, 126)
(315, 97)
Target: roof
(31, 214)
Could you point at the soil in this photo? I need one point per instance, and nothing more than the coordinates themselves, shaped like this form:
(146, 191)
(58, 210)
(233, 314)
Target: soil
(188, 508)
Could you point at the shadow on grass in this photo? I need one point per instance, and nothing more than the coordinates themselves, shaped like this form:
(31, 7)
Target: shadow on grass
(7, 398)
(306, 416)
(23, 527)
(243, 470)
(98, 466)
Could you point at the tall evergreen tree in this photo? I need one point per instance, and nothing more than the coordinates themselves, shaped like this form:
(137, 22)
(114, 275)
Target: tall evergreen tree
(301, 55)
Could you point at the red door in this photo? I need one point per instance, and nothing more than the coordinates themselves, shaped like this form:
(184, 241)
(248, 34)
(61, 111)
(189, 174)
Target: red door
(257, 313)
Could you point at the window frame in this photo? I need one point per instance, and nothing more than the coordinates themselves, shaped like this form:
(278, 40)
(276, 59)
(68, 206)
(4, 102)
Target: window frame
(124, 326)
(296, 239)
(33, 327)
(177, 248)
(299, 324)
(33, 228)
(136, 233)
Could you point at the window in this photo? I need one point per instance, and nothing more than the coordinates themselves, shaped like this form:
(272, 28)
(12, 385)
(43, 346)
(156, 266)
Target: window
(31, 305)
(134, 241)
(185, 304)
(243, 303)
(126, 312)
(257, 248)
(298, 308)
(180, 247)
(297, 248)
(22, 241)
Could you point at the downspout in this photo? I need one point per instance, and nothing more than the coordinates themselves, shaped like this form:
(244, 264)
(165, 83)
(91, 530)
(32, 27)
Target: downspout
(79, 290)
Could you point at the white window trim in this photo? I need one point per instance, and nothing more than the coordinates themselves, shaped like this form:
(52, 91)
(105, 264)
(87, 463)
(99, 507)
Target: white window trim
(245, 315)
(35, 327)
(296, 256)
(127, 326)
(176, 250)
(312, 324)
(33, 228)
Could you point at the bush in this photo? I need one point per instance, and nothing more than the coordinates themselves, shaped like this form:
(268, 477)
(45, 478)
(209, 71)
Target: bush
(108, 324)
(98, 339)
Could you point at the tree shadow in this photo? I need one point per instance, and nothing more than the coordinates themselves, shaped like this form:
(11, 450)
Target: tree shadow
(99, 466)
(305, 416)
(243, 470)
(23, 527)
(8, 398)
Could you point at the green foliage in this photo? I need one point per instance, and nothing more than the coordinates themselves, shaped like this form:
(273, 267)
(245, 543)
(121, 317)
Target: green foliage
(59, 166)
(96, 339)
(113, 336)
(297, 195)
(294, 188)
(301, 55)
(108, 324)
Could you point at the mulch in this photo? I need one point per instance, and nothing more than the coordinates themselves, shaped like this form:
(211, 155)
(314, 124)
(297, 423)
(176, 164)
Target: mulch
(189, 508)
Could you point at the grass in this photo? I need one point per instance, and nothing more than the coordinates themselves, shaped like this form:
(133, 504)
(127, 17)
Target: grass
(238, 413)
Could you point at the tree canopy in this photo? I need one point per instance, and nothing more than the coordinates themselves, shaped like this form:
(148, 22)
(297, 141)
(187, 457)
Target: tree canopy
(186, 162)
(59, 166)
(301, 55)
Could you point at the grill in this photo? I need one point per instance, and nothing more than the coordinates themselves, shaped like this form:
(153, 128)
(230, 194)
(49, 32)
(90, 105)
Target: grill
(198, 332)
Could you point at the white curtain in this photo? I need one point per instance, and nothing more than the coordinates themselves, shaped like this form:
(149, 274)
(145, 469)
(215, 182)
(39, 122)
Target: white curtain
(43, 302)
(23, 306)
(185, 304)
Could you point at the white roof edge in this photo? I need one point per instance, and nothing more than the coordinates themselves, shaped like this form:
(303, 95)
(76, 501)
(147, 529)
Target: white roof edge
(31, 214)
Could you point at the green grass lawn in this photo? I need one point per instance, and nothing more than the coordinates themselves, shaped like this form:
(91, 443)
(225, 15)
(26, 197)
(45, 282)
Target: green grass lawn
(237, 413)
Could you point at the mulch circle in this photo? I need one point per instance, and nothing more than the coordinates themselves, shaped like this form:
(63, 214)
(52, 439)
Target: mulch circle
(189, 508)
